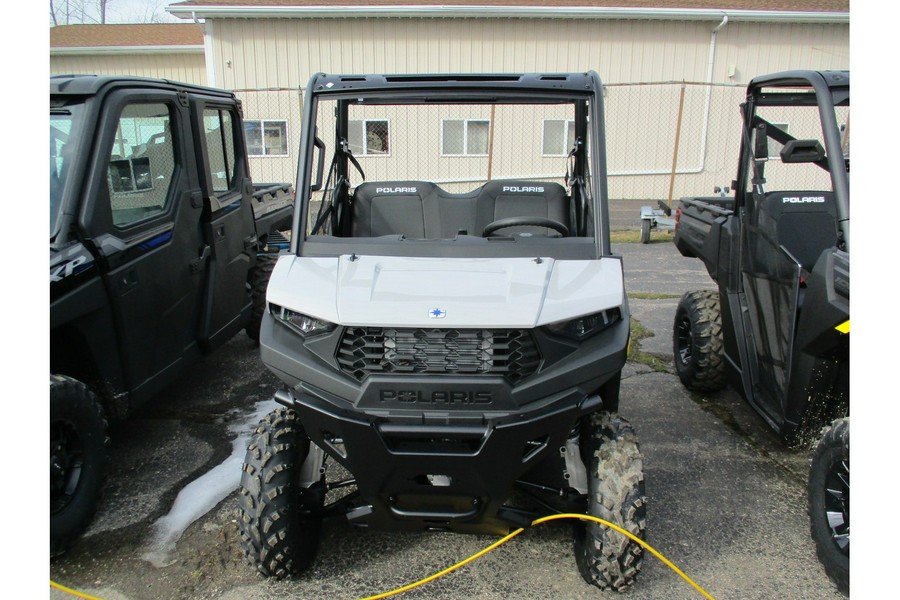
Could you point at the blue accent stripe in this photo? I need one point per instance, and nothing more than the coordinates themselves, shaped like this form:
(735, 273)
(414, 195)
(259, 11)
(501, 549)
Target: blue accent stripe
(156, 241)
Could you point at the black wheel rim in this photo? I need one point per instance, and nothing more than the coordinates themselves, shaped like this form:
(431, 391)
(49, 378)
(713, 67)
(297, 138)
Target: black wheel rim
(66, 464)
(684, 343)
(837, 504)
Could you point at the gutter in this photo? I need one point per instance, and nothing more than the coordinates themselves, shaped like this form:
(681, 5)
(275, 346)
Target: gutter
(93, 50)
(523, 12)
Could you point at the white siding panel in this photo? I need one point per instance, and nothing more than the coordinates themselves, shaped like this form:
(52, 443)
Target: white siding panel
(189, 68)
(641, 120)
(756, 49)
(283, 53)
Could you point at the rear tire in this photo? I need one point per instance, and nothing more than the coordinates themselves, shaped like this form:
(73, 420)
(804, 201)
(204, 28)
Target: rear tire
(259, 282)
(829, 502)
(278, 533)
(606, 558)
(78, 454)
(697, 342)
(645, 231)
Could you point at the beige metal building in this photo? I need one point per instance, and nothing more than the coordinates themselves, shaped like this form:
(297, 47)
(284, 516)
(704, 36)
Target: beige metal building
(674, 69)
(167, 51)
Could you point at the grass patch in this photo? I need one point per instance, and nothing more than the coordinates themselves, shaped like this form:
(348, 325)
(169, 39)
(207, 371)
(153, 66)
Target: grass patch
(653, 296)
(638, 333)
(633, 236)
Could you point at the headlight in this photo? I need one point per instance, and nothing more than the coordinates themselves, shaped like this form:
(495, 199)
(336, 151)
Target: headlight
(304, 325)
(584, 327)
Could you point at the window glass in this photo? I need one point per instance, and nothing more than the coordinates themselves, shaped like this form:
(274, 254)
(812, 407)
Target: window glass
(220, 148)
(798, 122)
(64, 132)
(559, 137)
(275, 138)
(355, 135)
(453, 138)
(465, 136)
(477, 137)
(375, 140)
(141, 163)
(254, 137)
(265, 137)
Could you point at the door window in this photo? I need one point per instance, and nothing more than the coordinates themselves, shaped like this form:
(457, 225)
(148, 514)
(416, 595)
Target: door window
(141, 163)
(219, 129)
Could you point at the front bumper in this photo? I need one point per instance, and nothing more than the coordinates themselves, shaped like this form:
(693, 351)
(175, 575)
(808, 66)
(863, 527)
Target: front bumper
(441, 451)
(439, 473)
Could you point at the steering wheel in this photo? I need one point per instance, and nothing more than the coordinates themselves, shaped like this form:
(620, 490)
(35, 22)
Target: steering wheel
(525, 222)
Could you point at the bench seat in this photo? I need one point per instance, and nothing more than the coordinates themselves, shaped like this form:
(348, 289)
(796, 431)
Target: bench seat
(423, 210)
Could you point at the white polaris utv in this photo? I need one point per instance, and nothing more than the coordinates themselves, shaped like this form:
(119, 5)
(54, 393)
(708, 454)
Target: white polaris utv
(450, 322)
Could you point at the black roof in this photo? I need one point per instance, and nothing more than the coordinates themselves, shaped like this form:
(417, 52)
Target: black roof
(90, 85)
(452, 83)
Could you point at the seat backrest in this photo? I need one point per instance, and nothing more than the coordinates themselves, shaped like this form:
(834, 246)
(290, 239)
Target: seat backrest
(510, 198)
(805, 223)
(391, 208)
(451, 214)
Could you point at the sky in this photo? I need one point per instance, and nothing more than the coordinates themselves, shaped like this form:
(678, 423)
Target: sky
(118, 11)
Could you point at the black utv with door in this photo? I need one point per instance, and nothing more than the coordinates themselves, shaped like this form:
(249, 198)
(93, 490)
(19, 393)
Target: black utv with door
(154, 255)
(778, 325)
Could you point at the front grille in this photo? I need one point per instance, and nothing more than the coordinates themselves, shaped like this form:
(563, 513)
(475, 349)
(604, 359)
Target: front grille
(511, 353)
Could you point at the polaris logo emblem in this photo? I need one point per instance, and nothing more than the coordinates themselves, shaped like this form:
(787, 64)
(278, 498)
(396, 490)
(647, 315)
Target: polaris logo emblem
(396, 190)
(803, 199)
(436, 397)
(437, 313)
(513, 188)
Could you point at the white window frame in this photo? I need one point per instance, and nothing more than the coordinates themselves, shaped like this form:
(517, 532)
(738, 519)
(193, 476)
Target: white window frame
(566, 148)
(365, 140)
(465, 136)
(262, 128)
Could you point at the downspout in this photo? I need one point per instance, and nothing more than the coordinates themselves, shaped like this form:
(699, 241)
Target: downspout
(706, 109)
(709, 80)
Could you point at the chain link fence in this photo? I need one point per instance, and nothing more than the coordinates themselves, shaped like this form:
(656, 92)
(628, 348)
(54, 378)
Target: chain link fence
(664, 140)
(272, 120)
(672, 139)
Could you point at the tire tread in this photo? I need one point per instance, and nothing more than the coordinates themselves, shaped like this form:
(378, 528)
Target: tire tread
(606, 558)
(274, 536)
(705, 371)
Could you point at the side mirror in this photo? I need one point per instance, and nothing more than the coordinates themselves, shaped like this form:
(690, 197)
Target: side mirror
(802, 151)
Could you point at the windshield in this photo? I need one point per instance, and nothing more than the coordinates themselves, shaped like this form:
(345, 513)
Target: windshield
(454, 176)
(63, 136)
(800, 121)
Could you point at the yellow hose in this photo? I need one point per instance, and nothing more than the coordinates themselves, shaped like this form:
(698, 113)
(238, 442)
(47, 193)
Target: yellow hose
(497, 544)
(53, 584)
(502, 541)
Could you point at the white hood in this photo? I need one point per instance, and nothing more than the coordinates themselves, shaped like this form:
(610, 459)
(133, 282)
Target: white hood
(384, 291)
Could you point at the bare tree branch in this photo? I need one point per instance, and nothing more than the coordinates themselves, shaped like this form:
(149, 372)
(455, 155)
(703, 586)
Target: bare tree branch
(66, 12)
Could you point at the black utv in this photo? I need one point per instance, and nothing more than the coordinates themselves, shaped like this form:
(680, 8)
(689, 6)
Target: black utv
(777, 328)
(154, 256)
